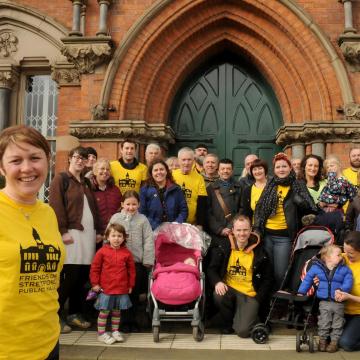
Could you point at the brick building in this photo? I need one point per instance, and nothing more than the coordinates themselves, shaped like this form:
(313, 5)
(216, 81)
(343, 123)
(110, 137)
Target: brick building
(240, 75)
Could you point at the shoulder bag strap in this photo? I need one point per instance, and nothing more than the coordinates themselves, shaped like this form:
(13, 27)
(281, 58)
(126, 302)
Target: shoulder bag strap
(222, 204)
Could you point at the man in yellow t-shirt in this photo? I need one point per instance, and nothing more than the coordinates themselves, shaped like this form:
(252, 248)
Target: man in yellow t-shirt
(352, 172)
(127, 172)
(193, 186)
(241, 274)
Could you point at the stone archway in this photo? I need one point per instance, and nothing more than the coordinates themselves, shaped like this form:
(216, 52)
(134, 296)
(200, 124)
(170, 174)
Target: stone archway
(159, 52)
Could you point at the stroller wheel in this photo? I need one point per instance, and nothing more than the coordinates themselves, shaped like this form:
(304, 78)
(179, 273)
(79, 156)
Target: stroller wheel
(260, 334)
(199, 332)
(298, 341)
(311, 342)
(156, 333)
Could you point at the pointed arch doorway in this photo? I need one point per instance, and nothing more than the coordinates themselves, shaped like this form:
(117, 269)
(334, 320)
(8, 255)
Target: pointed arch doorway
(229, 106)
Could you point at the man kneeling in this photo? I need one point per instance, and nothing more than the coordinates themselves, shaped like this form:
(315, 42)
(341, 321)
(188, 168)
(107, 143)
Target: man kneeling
(241, 273)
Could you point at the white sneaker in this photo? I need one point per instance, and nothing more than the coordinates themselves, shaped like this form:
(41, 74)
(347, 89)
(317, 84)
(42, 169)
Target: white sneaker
(106, 338)
(118, 336)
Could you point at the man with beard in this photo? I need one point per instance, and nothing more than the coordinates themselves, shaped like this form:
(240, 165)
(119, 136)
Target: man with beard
(200, 151)
(352, 173)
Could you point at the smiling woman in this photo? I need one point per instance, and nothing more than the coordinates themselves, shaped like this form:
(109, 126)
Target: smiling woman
(28, 235)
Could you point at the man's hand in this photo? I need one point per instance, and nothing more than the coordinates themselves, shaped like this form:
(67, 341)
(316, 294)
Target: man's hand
(221, 288)
(96, 288)
(225, 232)
(99, 238)
(67, 239)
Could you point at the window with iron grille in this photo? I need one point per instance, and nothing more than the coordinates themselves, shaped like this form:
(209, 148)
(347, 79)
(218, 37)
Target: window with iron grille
(40, 112)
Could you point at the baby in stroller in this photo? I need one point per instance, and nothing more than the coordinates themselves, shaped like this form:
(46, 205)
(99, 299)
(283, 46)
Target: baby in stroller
(177, 282)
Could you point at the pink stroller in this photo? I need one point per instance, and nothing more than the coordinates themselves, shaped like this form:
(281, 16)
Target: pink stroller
(177, 281)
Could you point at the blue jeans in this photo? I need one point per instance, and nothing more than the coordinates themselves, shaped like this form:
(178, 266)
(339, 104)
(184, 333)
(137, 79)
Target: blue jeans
(350, 338)
(278, 249)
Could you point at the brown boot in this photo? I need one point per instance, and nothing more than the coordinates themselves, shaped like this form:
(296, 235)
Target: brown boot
(332, 347)
(322, 345)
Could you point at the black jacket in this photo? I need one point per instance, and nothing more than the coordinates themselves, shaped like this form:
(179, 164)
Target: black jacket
(262, 270)
(216, 217)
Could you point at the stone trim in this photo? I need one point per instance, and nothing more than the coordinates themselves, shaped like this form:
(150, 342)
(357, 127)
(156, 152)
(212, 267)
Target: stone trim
(65, 74)
(9, 76)
(8, 43)
(116, 130)
(87, 52)
(319, 131)
(350, 47)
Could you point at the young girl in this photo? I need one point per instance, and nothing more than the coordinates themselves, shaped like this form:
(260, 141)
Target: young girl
(112, 275)
(338, 190)
(140, 242)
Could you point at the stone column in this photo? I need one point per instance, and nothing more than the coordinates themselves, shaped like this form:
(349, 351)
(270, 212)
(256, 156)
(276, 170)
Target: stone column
(104, 7)
(77, 4)
(318, 148)
(8, 78)
(297, 151)
(349, 27)
(82, 19)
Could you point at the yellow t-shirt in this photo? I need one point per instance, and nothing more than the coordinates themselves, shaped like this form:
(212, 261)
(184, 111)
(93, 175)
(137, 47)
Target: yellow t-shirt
(240, 272)
(128, 179)
(255, 196)
(352, 307)
(31, 258)
(278, 221)
(193, 186)
(351, 175)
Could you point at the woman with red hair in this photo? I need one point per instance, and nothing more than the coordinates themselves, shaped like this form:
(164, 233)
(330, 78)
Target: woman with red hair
(278, 213)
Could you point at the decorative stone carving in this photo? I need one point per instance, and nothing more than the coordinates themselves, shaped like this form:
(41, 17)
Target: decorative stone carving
(65, 74)
(87, 52)
(8, 42)
(8, 76)
(352, 111)
(350, 47)
(99, 112)
(311, 132)
(112, 130)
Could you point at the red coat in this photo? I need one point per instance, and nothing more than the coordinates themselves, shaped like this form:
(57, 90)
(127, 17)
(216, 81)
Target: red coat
(113, 270)
(108, 203)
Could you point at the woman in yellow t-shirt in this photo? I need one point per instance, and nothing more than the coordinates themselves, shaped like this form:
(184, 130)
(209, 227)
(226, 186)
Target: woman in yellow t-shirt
(283, 202)
(350, 338)
(31, 250)
(251, 194)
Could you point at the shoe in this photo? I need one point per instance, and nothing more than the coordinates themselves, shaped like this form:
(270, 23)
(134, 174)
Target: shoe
(322, 345)
(135, 328)
(64, 327)
(125, 328)
(106, 339)
(78, 321)
(227, 331)
(332, 347)
(118, 336)
(308, 219)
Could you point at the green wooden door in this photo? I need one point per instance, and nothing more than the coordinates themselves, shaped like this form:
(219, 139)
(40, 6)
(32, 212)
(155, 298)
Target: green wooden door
(231, 109)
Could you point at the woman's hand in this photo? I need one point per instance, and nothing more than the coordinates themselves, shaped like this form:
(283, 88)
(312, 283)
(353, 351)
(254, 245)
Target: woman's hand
(67, 239)
(221, 288)
(130, 290)
(96, 288)
(99, 238)
(341, 296)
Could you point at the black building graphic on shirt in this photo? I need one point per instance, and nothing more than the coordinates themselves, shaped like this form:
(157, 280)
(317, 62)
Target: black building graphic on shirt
(40, 257)
(187, 192)
(237, 269)
(127, 182)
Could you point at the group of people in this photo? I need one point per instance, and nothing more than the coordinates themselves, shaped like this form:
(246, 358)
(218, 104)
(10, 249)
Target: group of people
(97, 233)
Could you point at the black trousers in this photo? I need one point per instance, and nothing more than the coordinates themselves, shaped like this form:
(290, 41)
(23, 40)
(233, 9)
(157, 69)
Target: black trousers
(54, 355)
(72, 286)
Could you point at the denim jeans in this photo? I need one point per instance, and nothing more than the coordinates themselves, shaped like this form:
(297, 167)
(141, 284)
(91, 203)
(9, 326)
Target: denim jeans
(278, 249)
(350, 338)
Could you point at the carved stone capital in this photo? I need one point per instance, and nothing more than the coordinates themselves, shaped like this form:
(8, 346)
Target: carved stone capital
(9, 76)
(352, 111)
(117, 130)
(8, 44)
(65, 74)
(318, 132)
(99, 112)
(87, 52)
(350, 47)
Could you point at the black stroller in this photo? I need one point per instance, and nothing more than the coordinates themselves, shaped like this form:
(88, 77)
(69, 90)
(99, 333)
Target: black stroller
(307, 244)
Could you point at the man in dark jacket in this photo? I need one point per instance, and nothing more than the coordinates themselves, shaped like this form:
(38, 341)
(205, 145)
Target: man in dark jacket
(241, 274)
(223, 202)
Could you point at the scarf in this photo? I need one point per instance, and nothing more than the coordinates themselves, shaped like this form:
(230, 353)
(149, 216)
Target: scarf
(268, 202)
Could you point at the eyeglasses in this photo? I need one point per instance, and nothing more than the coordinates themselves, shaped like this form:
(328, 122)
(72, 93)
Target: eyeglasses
(78, 158)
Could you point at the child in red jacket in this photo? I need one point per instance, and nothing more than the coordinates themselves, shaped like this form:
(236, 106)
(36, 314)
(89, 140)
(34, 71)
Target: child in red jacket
(112, 275)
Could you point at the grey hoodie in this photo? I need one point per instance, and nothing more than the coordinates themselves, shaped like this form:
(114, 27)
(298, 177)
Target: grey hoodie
(140, 239)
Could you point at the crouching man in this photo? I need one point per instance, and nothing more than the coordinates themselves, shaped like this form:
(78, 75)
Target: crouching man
(241, 273)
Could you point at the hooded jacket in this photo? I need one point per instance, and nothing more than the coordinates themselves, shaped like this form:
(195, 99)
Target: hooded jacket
(329, 280)
(175, 206)
(262, 270)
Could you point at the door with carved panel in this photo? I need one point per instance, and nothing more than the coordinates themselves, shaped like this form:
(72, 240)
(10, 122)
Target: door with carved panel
(230, 108)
